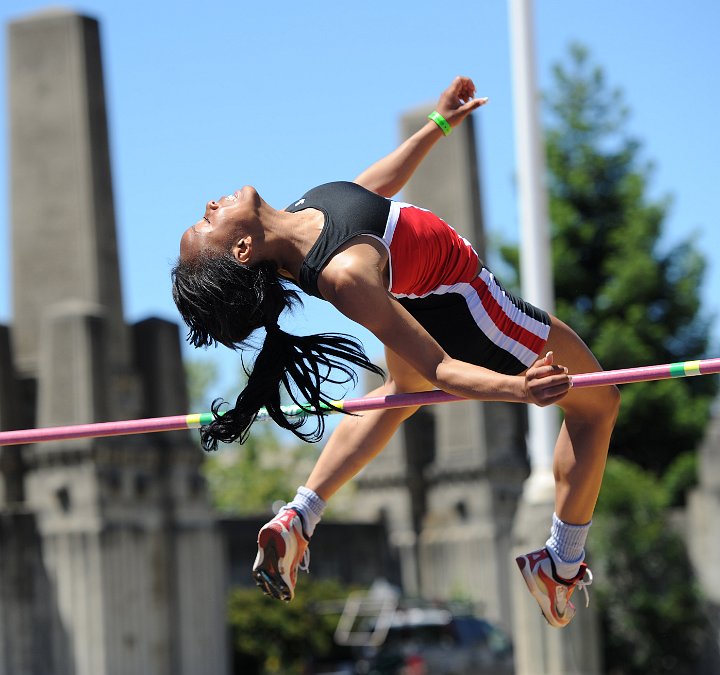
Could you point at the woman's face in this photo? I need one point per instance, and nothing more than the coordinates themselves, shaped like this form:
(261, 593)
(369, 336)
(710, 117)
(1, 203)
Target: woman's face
(223, 222)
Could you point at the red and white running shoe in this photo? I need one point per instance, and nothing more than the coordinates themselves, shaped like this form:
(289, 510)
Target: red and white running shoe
(282, 549)
(551, 592)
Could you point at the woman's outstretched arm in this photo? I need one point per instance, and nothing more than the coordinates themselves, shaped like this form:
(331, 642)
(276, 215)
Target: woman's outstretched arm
(388, 175)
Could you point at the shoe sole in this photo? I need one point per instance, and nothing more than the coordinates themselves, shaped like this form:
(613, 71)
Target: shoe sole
(540, 597)
(267, 573)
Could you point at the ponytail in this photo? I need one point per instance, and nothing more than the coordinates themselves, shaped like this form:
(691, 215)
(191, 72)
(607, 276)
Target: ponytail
(223, 301)
(301, 364)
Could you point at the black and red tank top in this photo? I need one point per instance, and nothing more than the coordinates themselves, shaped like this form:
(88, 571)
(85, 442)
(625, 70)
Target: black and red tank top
(434, 273)
(424, 251)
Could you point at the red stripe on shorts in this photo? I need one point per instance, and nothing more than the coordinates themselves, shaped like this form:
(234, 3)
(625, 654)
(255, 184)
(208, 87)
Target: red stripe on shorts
(503, 322)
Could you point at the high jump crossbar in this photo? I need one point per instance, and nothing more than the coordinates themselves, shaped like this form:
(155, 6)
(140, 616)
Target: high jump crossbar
(194, 421)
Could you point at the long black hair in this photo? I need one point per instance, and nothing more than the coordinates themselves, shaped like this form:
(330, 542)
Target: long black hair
(223, 301)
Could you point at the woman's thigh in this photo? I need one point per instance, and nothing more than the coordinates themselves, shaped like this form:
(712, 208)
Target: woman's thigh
(570, 351)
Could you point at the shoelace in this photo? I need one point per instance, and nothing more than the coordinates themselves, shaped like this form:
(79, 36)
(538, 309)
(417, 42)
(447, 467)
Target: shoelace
(582, 585)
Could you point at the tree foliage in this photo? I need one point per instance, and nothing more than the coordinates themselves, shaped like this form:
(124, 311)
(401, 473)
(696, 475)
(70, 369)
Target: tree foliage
(200, 375)
(633, 302)
(248, 478)
(652, 611)
(275, 637)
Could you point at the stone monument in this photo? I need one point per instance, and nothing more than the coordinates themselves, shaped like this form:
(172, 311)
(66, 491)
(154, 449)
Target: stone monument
(130, 567)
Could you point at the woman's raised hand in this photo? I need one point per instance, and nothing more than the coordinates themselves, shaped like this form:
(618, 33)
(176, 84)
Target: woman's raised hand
(457, 101)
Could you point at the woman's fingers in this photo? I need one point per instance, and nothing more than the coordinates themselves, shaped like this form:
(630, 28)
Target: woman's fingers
(546, 382)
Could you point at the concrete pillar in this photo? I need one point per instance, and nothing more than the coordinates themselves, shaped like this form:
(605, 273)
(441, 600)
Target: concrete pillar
(73, 366)
(194, 553)
(135, 577)
(7, 382)
(63, 237)
(704, 513)
(703, 534)
(25, 619)
(11, 400)
(157, 360)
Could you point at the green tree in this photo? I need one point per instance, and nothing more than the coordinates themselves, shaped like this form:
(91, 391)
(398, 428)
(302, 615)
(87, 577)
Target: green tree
(200, 374)
(274, 637)
(651, 608)
(248, 478)
(633, 303)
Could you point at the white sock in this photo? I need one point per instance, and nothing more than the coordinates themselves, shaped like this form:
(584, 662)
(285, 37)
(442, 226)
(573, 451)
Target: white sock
(567, 546)
(311, 507)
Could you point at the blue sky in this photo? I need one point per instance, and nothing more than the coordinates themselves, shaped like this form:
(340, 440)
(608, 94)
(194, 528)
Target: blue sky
(206, 97)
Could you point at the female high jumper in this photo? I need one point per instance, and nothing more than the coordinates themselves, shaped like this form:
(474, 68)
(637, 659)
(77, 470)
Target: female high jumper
(444, 320)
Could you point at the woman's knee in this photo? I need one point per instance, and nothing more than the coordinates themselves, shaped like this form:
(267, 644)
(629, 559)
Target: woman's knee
(613, 403)
(608, 407)
(599, 404)
(597, 408)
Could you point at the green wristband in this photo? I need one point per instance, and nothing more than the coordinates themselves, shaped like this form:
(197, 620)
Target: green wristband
(436, 117)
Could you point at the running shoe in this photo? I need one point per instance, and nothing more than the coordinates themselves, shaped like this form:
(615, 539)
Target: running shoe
(551, 592)
(282, 549)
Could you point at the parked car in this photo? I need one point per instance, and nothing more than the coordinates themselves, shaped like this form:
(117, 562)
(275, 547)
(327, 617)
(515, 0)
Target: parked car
(437, 642)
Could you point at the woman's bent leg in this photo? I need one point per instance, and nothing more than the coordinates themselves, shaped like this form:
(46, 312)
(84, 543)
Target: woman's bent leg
(582, 444)
(553, 572)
